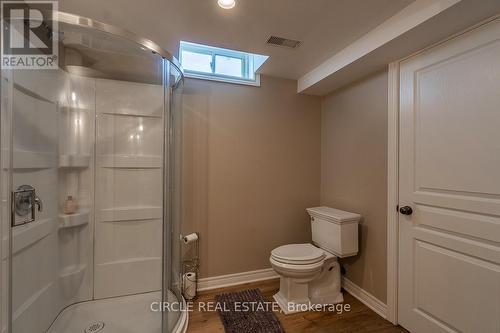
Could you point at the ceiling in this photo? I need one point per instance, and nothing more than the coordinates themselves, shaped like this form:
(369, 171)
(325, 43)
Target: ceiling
(324, 26)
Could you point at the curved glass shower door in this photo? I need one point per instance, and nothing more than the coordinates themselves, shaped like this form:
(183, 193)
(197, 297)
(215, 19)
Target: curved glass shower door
(89, 163)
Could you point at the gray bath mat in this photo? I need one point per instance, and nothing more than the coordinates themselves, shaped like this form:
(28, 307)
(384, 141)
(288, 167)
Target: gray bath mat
(247, 312)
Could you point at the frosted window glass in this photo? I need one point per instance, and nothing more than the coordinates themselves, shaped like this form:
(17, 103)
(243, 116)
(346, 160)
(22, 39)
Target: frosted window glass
(198, 62)
(228, 66)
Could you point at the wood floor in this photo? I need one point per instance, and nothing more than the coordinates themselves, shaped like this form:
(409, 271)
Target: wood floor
(359, 319)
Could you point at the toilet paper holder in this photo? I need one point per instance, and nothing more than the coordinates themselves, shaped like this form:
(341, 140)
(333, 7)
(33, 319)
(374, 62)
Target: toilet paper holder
(190, 265)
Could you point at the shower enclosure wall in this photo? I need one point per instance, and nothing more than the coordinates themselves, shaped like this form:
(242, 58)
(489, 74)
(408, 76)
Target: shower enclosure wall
(90, 186)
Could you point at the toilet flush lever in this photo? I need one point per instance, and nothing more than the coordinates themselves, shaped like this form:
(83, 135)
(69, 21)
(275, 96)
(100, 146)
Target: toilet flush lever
(406, 210)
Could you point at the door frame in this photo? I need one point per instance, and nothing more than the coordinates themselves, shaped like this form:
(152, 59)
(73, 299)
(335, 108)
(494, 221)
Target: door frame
(392, 192)
(393, 173)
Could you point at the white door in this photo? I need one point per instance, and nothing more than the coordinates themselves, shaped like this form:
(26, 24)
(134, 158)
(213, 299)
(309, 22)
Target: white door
(449, 264)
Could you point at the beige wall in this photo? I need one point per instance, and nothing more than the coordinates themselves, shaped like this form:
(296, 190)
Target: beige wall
(251, 168)
(353, 172)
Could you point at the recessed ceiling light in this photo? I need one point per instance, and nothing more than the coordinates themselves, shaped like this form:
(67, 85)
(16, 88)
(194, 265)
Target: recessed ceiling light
(227, 4)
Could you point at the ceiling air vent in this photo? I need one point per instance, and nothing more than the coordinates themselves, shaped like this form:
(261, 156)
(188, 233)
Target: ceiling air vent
(284, 42)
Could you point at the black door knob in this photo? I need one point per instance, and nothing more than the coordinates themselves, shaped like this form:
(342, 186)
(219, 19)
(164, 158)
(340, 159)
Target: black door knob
(406, 210)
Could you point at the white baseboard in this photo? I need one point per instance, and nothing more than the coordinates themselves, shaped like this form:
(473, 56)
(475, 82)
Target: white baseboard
(365, 297)
(266, 274)
(235, 279)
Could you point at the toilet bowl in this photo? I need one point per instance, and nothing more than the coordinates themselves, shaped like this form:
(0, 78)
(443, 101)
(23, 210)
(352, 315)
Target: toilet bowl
(310, 274)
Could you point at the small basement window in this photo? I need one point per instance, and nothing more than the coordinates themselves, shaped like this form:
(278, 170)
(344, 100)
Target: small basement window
(217, 64)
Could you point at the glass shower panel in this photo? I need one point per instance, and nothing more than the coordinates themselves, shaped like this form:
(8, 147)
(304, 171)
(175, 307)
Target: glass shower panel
(173, 320)
(5, 209)
(85, 146)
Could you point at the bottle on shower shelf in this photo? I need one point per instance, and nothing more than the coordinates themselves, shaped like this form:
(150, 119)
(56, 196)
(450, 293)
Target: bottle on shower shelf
(70, 205)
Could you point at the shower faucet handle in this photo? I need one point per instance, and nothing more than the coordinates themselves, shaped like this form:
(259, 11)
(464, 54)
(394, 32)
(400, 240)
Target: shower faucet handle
(39, 203)
(24, 200)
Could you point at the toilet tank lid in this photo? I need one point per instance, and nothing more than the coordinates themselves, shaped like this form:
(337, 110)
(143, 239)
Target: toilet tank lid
(333, 214)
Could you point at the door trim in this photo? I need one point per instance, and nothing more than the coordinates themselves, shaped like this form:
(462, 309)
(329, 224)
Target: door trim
(393, 173)
(392, 193)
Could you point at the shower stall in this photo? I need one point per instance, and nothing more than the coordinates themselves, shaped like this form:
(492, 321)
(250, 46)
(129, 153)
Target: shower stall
(90, 180)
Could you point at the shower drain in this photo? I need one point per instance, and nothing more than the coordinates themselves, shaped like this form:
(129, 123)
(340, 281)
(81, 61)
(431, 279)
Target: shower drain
(95, 327)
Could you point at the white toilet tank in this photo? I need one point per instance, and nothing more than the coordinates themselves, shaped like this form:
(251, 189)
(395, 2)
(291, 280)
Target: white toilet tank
(335, 230)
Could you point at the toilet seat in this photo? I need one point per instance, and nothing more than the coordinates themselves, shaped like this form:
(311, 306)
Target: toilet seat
(297, 271)
(298, 254)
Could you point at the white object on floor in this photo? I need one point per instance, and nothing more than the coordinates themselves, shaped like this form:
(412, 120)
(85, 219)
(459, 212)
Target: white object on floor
(127, 314)
(189, 284)
(309, 274)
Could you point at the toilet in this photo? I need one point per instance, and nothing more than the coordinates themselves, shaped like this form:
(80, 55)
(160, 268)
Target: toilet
(310, 273)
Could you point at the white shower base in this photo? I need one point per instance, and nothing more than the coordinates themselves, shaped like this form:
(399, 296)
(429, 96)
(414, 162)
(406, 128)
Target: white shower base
(127, 314)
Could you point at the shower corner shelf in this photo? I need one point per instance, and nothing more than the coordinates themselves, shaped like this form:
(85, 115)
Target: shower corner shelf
(81, 217)
(74, 161)
(69, 108)
(130, 161)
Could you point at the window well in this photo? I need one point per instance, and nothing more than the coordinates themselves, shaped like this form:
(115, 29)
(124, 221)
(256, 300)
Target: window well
(214, 63)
